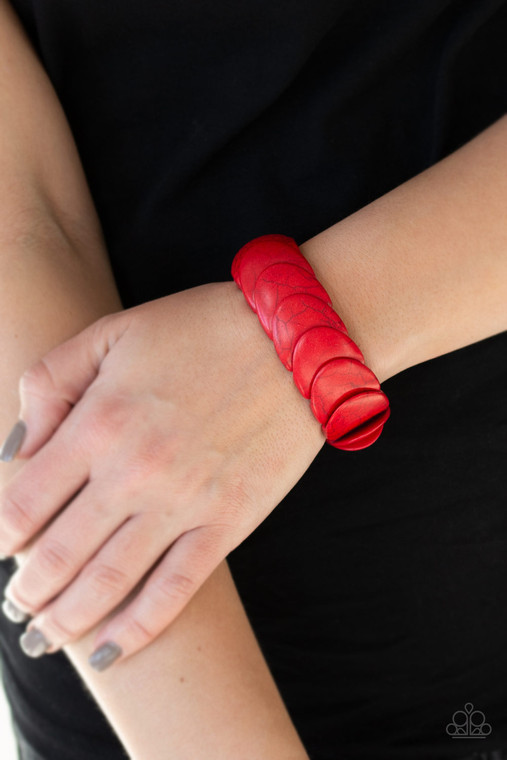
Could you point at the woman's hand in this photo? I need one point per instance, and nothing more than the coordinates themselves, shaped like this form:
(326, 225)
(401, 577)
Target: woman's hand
(159, 438)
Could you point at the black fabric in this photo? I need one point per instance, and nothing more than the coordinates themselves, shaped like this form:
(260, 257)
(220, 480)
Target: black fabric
(377, 587)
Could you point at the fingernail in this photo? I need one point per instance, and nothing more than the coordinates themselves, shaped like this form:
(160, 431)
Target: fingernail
(34, 643)
(14, 613)
(13, 442)
(105, 655)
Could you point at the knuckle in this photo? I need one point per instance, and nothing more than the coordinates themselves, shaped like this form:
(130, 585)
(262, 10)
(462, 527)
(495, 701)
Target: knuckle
(57, 629)
(53, 557)
(107, 581)
(37, 379)
(173, 587)
(149, 458)
(104, 416)
(100, 327)
(210, 544)
(145, 462)
(139, 631)
(17, 517)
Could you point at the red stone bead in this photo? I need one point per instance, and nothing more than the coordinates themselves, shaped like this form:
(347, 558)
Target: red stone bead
(294, 316)
(335, 381)
(311, 339)
(265, 253)
(357, 418)
(316, 346)
(278, 281)
(252, 244)
(355, 444)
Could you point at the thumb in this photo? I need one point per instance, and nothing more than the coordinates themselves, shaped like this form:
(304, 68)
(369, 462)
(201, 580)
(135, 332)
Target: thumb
(49, 388)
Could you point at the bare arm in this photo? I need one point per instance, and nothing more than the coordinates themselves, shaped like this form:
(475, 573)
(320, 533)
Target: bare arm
(210, 645)
(422, 271)
(203, 688)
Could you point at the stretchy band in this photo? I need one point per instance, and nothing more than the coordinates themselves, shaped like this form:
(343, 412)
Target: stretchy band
(311, 340)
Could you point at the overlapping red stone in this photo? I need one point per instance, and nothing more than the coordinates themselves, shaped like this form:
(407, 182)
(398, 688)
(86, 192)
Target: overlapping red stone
(310, 338)
(278, 281)
(315, 347)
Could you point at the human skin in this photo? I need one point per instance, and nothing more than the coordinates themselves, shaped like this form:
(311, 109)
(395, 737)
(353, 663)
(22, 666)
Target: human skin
(229, 439)
(378, 248)
(55, 279)
(436, 212)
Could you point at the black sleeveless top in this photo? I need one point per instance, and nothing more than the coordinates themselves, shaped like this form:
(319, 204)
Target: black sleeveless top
(378, 587)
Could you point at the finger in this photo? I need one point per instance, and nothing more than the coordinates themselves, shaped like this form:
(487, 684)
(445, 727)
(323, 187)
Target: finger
(41, 488)
(102, 585)
(171, 585)
(65, 547)
(49, 388)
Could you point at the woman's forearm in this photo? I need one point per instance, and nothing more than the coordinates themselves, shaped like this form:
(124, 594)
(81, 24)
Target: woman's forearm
(405, 275)
(422, 271)
(203, 689)
(55, 276)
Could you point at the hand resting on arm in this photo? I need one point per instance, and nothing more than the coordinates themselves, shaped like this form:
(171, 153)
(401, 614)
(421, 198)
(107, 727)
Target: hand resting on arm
(202, 688)
(393, 300)
(417, 273)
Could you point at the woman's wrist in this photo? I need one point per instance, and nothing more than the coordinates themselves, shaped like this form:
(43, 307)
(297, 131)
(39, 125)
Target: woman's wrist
(330, 254)
(311, 340)
(422, 271)
(259, 354)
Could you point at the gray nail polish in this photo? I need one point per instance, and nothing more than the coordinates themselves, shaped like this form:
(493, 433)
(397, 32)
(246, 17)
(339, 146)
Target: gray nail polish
(105, 655)
(34, 643)
(13, 442)
(14, 613)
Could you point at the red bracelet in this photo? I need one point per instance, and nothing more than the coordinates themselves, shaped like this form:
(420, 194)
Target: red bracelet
(311, 340)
